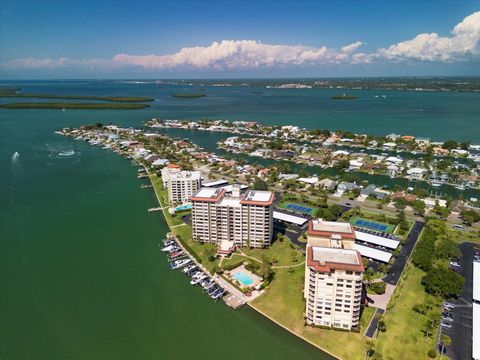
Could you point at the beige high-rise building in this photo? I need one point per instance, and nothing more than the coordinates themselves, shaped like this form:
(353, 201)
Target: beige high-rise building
(181, 185)
(333, 275)
(246, 220)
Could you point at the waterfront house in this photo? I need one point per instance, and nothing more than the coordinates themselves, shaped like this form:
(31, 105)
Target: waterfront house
(346, 186)
(421, 141)
(327, 184)
(416, 173)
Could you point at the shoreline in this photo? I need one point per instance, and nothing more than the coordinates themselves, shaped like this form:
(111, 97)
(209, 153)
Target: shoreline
(248, 303)
(291, 331)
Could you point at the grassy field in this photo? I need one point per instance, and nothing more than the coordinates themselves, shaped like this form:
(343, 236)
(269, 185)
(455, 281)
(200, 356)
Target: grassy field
(284, 303)
(77, 97)
(404, 338)
(73, 106)
(280, 253)
(460, 236)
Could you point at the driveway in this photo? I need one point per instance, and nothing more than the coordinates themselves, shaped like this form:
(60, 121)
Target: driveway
(461, 332)
(396, 270)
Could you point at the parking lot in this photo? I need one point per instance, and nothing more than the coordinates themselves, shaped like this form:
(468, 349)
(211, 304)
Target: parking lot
(461, 330)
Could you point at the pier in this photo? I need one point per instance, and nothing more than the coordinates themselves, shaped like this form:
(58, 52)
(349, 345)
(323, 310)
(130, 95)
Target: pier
(154, 209)
(235, 298)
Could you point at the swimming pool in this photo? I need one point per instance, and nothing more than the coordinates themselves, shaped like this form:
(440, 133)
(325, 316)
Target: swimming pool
(243, 278)
(183, 207)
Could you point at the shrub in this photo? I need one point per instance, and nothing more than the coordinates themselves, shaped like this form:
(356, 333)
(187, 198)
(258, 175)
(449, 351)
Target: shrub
(377, 287)
(432, 353)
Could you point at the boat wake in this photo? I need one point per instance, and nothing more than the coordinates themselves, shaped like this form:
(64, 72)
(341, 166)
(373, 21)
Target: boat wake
(15, 157)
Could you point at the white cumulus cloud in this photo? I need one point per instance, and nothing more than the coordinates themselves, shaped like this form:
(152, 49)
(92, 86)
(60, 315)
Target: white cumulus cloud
(462, 44)
(239, 54)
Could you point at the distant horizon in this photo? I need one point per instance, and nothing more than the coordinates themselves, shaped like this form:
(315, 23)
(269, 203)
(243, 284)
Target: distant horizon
(248, 78)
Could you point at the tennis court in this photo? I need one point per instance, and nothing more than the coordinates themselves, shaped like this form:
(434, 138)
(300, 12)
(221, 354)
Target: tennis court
(372, 225)
(299, 208)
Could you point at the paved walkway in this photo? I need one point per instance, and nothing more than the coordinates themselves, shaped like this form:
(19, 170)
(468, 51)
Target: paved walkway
(372, 327)
(381, 301)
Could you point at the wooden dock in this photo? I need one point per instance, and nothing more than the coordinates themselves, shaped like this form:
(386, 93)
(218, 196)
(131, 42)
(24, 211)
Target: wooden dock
(155, 209)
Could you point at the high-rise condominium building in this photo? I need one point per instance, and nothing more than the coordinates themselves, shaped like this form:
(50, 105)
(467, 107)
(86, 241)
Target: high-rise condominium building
(246, 220)
(181, 185)
(333, 275)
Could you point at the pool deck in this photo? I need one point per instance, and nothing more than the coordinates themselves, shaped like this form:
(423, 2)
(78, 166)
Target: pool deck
(257, 280)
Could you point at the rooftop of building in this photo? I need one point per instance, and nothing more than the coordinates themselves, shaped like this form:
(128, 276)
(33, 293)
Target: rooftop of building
(180, 175)
(257, 197)
(338, 230)
(324, 259)
(208, 194)
(174, 166)
(251, 197)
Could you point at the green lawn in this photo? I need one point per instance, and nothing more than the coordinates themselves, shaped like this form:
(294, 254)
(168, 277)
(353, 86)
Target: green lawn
(404, 338)
(280, 253)
(460, 236)
(284, 303)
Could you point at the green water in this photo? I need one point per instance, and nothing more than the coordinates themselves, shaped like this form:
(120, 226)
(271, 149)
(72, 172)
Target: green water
(81, 276)
(81, 273)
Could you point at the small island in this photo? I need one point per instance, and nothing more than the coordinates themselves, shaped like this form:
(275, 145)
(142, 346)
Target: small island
(344, 97)
(12, 93)
(188, 96)
(73, 106)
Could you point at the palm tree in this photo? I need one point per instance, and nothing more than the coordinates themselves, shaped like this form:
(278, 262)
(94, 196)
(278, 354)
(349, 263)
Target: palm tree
(445, 340)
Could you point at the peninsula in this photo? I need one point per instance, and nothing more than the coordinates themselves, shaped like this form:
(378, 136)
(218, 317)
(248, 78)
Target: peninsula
(297, 219)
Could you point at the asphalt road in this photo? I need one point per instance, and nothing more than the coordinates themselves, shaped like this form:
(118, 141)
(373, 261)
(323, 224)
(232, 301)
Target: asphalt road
(372, 328)
(461, 331)
(396, 270)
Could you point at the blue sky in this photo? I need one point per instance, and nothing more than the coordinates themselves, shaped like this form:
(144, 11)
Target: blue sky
(69, 39)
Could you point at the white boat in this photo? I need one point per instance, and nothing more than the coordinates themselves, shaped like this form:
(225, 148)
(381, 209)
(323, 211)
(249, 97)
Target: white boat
(180, 263)
(189, 268)
(169, 248)
(67, 153)
(198, 279)
(436, 184)
(460, 187)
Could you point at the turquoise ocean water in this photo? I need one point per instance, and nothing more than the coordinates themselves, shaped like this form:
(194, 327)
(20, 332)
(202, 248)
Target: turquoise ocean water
(81, 276)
